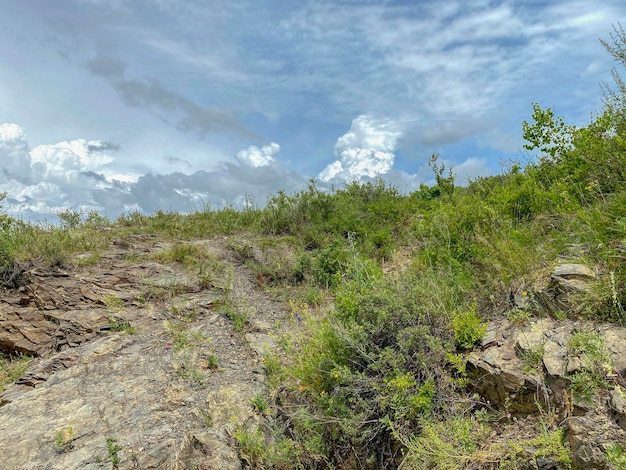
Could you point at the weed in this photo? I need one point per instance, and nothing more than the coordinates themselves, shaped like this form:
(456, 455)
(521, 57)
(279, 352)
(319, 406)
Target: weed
(585, 384)
(121, 326)
(213, 362)
(12, 367)
(553, 445)
(69, 219)
(468, 328)
(532, 360)
(113, 449)
(114, 303)
(243, 250)
(450, 444)
(616, 456)
(596, 364)
(252, 446)
(183, 337)
(239, 315)
(207, 418)
(187, 369)
(64, 439)
(519, 317)
(274, 369)
(260, 403)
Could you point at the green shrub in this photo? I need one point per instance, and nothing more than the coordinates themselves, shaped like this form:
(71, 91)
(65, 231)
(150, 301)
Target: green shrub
(468, 328)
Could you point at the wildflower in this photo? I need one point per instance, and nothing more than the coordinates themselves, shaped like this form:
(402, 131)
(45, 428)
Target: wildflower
(298, 317)
(167, 346)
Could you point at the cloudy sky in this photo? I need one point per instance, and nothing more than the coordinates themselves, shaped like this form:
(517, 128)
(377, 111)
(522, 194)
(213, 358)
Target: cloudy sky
(120, 105)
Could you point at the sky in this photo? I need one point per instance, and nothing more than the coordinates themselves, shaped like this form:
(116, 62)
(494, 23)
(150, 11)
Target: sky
(123, 105)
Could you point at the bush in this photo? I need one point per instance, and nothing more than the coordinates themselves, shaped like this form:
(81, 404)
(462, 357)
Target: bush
(468, 328)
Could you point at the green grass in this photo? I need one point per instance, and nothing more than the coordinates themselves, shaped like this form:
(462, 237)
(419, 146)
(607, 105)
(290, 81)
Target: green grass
(12, 367)
(64, 439)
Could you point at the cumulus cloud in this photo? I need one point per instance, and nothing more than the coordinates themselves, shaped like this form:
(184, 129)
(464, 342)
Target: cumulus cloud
(257, 157)
(80, 175)
(470, 169)
(14, 154)
(49, 178)
(366, 150)
(66, 163)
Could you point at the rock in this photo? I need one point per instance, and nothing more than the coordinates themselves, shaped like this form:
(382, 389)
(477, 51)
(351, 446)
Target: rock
(573, 271)
(122, 387)
(497, 375)
(553, 291)
(568, 279)
(261, 343)
(615, 341)
(157, 393)
(173, 281)
(590, 436)
(34, 332)
(617, 401)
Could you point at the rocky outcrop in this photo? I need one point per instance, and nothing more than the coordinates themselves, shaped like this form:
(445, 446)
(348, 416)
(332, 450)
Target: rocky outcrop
(573, 370)
(556, 290)
(170, 396)
(590, 438)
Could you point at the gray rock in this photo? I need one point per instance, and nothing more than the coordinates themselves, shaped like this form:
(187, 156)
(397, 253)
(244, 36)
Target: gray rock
(617, 401)
(157, 393)
(615, 341)
(590, 436)
(573, 271)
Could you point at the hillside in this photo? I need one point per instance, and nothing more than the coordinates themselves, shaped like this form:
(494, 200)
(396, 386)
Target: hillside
(342, 330)
(454, 327)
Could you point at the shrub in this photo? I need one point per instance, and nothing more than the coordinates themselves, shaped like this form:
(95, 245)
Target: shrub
(468, 328)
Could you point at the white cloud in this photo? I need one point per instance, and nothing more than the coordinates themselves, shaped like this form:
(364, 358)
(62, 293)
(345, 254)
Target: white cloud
(470, 169)
(366, 150)
(53, 177)
(81, 175)
(65, 162)
(257, 157)
(14, 154)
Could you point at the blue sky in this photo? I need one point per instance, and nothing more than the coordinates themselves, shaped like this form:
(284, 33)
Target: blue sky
(117, 105)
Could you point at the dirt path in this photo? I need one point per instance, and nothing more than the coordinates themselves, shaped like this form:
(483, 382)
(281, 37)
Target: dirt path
(141, 365)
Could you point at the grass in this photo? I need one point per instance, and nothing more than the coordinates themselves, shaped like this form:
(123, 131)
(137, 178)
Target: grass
(121, 326)
(252, 446)
(532, 360)
(12, 367)
(113, 448)
(260, 404)
(596, 365)
(64, 439)
(239, 314)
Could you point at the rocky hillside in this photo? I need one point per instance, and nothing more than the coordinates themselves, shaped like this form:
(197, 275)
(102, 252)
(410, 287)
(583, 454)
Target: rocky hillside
(474, 327)
(136, 363)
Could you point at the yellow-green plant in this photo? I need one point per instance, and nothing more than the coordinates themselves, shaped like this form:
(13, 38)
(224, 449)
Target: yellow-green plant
(64, 439)
(468, 328)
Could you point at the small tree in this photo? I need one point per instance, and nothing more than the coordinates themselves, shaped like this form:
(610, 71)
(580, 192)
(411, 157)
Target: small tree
(445, 184)
(548, 133)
